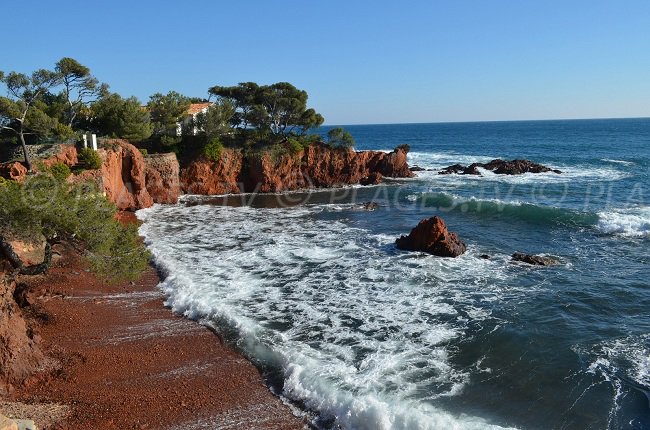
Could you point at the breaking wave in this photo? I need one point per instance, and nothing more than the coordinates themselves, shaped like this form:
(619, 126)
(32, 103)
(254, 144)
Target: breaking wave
(358, 333)
(632, 222)
(528, 212)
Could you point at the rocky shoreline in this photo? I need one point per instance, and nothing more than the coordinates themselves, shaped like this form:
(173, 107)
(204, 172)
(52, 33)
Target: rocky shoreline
(135, 181)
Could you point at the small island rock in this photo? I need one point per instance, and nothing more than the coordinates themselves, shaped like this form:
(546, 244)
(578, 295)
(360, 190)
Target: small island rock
(431, 236)
(499, 167)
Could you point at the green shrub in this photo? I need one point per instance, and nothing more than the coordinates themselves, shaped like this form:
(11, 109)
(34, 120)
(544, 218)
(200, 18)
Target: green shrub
(294, 145)
(60, 171)
(311, 139)
(41, 205)
(90, 158)
(170, 141)
(143, 151)
(213, 149)
(340, 138)
(63, 131)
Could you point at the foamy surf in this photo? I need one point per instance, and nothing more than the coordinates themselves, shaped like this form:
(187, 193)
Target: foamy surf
(435, 162)
(632, 222)
(321, 302)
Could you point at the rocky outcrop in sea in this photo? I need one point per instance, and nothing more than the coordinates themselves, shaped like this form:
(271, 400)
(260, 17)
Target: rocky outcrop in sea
(499, 167)
(431, 236)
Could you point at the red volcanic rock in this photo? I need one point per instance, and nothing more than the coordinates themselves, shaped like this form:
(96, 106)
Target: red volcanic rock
(162, 177)
(372, 179)
(206, 177)
(14, 171)
(20, 355)
(315, 167)
(122, 176)
(431, 236)
(67, 155)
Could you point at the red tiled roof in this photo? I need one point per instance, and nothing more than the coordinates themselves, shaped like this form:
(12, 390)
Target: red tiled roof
(197, 107)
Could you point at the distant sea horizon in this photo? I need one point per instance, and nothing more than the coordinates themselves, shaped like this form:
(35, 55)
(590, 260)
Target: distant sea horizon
(488, 121)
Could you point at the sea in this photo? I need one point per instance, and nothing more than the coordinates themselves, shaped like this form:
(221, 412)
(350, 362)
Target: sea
(354, 333)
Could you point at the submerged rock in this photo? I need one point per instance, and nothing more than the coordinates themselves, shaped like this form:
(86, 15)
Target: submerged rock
(370, 206)
(536, 260)
(417, 169)
(431, 235)
(499, 167)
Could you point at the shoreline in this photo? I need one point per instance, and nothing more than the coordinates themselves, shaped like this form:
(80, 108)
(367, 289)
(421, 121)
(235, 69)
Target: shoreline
(120, 359)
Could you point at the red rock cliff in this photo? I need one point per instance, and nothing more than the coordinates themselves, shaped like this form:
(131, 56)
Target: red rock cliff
(316, 166)
(20, 355)
(162, 177)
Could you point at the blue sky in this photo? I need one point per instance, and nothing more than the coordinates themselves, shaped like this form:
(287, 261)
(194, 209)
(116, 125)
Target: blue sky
(360, 61)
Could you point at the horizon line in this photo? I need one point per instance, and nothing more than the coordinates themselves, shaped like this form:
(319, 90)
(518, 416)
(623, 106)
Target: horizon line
(489, 121)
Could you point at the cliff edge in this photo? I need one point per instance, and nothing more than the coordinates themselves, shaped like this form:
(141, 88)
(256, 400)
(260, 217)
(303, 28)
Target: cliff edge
(316, 166)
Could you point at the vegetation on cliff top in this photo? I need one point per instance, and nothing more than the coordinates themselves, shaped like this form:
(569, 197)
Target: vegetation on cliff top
(67, 101)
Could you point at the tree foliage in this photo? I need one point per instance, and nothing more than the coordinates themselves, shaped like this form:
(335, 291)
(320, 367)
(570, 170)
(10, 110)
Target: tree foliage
(80, 88)
(217, 120)
(280, 108)
(57, 210)
(167, 110)
(115, 116)
(340, 138)
(22, 111)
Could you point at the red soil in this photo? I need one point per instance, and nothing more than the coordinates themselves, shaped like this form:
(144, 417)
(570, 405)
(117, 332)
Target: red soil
(125, 361)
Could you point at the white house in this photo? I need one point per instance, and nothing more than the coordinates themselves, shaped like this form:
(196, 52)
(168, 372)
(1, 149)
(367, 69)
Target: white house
(188, 124)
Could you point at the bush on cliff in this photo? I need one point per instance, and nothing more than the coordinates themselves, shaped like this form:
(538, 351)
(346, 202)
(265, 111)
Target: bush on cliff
(60, 171)
(340, 138)
(42, 205)
(213, 150)
(90, 159)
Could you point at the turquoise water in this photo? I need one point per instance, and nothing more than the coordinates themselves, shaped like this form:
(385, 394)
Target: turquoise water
(361, 335)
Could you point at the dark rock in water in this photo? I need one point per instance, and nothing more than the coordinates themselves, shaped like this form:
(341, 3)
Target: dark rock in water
(499, 167)
(456, 168)
(417, 169)
(484, 257)
(431, 235)
(372, 179)
(370, 206)
(517, 167)
(472, 169)
(536, 260)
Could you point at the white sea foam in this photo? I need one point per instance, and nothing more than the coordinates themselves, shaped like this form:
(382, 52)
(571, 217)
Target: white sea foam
(359, 332)
(438, 161)
(632, 222)
(626, 163)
